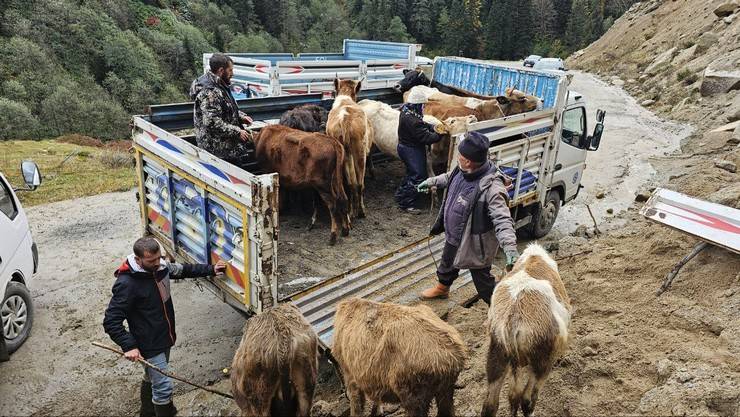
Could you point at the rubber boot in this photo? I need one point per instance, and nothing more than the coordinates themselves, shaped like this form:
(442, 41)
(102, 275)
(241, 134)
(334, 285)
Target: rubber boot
(165, 410)
(438, 291)
(145, 395)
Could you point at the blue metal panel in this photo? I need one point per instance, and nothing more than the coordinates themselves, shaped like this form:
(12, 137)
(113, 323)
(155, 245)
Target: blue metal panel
(493, 80)
(368, 50)
(319, 57)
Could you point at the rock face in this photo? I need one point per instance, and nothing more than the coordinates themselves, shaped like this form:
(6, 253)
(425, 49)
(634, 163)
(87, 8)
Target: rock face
(726, 9)
(722, 75)
(726, 165)
(661, 61)
(705, 41)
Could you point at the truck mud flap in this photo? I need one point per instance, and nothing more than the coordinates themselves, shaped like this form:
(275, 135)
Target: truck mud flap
(396, 277)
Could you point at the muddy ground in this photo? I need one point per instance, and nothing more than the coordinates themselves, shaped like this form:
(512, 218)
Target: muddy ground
(631, 353)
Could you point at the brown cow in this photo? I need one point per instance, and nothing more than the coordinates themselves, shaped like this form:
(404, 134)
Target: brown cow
(528, 325)
(274, 370)
(349, 124)
(512, 102)
(397, 354)
(306, 160)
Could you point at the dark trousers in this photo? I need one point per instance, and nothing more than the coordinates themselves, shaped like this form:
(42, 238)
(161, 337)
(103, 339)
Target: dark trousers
(415, 159)
(482, 279)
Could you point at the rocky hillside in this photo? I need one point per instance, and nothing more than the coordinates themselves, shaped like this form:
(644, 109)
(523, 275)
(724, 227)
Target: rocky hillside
(682, 57)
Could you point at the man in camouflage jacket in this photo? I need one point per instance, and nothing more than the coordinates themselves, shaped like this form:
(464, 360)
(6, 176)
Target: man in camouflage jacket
(217, 119)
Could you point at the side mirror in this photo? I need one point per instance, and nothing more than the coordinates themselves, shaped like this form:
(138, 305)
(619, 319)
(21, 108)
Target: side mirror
(31, 174)
(595, 140)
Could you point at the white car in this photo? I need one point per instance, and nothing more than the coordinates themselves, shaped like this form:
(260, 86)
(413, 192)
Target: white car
(550, 64)
(18, 262)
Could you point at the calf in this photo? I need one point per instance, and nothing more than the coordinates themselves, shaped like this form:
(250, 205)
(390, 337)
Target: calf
(306, 160)
(512, 102)
(528, 326)
(308, 118)
(349, 125)
(412, 78)
(274, 370)
(393, 353)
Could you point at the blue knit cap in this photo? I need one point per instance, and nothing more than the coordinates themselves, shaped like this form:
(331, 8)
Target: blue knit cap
(474, 146)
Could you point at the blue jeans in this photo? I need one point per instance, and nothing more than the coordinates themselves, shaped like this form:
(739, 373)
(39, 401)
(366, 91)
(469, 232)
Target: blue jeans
(415, 159)
(162, 386)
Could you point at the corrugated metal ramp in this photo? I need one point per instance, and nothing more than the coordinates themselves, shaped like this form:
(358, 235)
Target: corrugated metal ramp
(396, 277)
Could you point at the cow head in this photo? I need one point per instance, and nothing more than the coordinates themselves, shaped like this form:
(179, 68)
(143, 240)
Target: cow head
(347, 88)
(516, 101)
(411, 78)
(458, 125)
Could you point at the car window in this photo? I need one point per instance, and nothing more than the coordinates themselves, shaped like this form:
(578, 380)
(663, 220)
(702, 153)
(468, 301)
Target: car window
(7, 204)
(574, 126)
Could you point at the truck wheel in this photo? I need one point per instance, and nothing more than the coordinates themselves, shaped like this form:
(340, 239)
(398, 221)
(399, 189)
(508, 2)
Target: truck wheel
(544, 218)
(16, 312)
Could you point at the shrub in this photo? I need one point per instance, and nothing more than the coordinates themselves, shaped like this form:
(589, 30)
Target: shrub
(116, 159)
(687, 76)
(16, 121)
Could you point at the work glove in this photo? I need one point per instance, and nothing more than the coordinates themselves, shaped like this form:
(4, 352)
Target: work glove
(511, 257)
(424, 186)
(442, 128)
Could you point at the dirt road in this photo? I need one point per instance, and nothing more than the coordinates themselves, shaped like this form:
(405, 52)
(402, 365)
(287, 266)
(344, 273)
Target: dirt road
(82, 241)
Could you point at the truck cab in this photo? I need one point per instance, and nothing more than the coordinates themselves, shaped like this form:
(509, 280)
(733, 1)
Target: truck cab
(18, 262)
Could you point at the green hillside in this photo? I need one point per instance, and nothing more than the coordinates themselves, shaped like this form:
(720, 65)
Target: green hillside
(83, 66)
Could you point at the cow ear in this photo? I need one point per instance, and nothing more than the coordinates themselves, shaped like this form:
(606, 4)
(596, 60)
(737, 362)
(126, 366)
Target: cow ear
(405, 71)
(508, 91)
(336, 85)
(358, 86)
(502, 100)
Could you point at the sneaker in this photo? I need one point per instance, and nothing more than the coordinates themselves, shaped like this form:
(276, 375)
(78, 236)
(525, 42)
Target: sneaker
(411, 210)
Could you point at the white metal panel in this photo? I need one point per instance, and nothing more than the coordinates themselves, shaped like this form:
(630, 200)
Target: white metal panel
(714, 223)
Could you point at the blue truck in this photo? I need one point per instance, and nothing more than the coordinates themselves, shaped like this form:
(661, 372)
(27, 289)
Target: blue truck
(204, 209)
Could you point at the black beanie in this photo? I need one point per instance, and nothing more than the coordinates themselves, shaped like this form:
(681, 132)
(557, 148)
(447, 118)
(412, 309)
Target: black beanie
(474, 146)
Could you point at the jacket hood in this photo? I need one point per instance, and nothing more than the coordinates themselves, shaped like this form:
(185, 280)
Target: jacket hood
(131, 267)
(490, 175)
(208, 80)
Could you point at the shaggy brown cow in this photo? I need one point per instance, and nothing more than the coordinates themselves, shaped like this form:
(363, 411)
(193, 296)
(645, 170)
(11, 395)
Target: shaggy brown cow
(349, 124)
(528, 325)
(274, 370)
(306, 160)
(397, 354)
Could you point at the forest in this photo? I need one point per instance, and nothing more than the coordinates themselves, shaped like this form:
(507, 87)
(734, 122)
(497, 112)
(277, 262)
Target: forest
(84, 66)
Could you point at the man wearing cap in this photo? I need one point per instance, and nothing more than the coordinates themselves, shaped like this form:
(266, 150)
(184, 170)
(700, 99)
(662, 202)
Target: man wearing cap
(475, 217)
(414, 134)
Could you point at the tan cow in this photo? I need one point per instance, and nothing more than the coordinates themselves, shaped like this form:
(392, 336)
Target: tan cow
(349, 124)
(512, 102)
(275, 368)
(528, 326)
(397, 354)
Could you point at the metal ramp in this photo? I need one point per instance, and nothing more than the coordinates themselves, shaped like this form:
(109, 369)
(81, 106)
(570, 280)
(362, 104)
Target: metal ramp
(396, 277)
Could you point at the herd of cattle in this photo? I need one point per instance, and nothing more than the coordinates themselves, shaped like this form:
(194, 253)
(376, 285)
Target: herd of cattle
(389, 353)
(328, 153)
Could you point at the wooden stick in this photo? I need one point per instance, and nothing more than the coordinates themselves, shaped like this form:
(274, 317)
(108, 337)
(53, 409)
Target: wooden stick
(165, 373)
(671, 275)
(596, 228)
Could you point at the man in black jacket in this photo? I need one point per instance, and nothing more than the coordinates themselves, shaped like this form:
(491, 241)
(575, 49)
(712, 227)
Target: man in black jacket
(141, 297)
(414, 134)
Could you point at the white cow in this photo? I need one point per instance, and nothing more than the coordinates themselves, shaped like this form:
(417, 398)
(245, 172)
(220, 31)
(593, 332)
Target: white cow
(384, 120)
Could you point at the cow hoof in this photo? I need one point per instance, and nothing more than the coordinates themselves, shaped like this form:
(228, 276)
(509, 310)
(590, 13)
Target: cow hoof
(345, 232)
(333, 239)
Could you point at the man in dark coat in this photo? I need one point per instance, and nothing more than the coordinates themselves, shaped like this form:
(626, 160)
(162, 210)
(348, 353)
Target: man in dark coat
(216, 116)
(414, 135)
(141, 297)
(475, 218)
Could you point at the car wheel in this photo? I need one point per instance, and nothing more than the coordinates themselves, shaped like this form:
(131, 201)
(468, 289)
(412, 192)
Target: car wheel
(544, 218)
(16, 312)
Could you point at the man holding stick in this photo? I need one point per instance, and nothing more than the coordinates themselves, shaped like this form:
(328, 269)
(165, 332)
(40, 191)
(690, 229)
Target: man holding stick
(141, 297)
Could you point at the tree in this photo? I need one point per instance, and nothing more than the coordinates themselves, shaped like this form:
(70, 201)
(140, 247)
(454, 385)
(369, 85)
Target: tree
(579, 31)
(16, 121)
(396, 31)
(422, 21)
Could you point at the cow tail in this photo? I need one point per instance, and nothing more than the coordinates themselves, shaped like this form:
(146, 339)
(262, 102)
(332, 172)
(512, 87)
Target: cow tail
(337, 181)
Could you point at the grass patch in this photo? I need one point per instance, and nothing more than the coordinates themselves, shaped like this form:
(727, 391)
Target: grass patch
(687, 77)
(68, 170)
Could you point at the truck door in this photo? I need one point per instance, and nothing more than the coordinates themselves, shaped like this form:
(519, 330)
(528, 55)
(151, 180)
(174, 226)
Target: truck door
(13, 227)
(571, 154)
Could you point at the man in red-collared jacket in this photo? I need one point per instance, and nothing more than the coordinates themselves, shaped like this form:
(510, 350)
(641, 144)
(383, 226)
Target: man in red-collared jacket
(141, 297)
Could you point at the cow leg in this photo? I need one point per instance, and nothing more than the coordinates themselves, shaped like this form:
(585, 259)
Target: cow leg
(304, 389)
(446, 402)
(315, 214)
(496, 368)
(350, 178)
(332, 206)
(356, 400)
(417, 406)
(516, 390)
(370, 166)
(537, 379)
(361, 188)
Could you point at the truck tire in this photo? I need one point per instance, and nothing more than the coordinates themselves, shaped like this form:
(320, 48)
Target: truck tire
(544, 217)
(16, 312)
